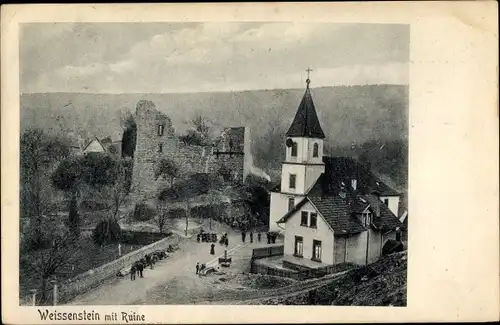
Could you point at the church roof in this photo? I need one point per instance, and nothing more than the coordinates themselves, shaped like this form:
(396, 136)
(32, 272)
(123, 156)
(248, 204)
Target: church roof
(339, 171)
(306, 123)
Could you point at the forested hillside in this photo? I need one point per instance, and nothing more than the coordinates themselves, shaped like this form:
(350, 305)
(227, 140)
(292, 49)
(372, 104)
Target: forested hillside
(374, 117)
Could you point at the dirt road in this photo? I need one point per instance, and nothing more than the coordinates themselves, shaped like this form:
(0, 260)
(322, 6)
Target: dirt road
(175, 275)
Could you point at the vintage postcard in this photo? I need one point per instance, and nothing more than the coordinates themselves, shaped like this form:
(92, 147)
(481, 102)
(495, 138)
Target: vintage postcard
(162, 163)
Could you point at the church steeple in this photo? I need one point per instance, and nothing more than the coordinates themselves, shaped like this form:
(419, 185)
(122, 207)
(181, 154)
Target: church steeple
(306, 123)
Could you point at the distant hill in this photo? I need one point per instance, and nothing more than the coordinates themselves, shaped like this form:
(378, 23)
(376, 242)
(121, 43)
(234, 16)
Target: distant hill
(347, 113)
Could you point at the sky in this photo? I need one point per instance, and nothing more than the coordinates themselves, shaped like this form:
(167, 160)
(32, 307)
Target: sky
(207, 57)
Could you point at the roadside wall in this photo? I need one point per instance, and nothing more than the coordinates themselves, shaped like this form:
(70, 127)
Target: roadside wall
(92, 278)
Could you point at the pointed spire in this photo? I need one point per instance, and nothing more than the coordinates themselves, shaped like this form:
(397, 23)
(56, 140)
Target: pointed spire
(306, 123)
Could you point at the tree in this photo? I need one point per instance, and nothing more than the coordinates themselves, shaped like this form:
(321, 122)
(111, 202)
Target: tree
(106, 231)
(224, 172)
(99, 169)
(257, 197)
(119, 184)
(38, 152)
(193, 138)
(68, 178)
(129, 138)
(214, 195)
(202, 125)
(183, 190)
(161, 216)
(47, 261)
(167, 168)
(200, 134)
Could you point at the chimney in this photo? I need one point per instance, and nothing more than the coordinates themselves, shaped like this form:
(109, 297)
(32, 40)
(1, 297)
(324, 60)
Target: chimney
(354, 184)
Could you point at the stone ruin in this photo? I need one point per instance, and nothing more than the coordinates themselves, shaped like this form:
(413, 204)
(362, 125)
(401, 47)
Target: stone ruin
(156, 139)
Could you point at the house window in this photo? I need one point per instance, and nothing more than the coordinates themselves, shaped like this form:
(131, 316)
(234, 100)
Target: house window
(291, 203)
(160, 147)
(303, 218)
(299, 245)
(367, 219)
(315, 150)
(314, 220)
(294, 149)
(316, 250)
(160, 130)
(292, 180)
(386, 202)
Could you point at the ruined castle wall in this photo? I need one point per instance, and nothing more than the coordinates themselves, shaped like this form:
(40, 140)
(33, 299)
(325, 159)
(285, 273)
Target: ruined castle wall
(156, 139)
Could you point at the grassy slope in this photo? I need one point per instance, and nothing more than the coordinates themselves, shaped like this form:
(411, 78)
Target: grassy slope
(384, 285)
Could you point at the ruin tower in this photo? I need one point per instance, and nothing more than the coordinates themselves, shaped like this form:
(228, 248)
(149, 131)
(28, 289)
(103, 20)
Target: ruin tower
(155, 137)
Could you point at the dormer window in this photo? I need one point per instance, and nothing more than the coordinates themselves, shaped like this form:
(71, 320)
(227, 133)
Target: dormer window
(160, 130)
(315, 150)
(367, 219)
(294, 149)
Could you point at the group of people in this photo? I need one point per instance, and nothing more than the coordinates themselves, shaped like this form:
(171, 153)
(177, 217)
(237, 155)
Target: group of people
(148, 260)
(205, 237)
(271, 237)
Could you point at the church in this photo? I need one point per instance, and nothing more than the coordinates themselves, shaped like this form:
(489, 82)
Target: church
(331, 210)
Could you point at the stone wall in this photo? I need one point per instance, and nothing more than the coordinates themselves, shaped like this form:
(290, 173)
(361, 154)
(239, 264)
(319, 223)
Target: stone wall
(156, 139)
(83, 282)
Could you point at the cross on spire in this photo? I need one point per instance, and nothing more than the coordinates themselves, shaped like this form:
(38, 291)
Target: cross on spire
(308, 80)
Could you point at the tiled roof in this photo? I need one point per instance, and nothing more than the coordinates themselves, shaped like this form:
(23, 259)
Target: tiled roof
(340, 213)
(340, 170)
(388, 221)
(293, 210)
(274, 186)
(306, 123)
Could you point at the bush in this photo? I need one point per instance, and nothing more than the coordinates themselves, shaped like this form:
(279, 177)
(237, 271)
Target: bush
(106, 232)
(143, 212)
(176, 213)
(91, 205)
(392, 246)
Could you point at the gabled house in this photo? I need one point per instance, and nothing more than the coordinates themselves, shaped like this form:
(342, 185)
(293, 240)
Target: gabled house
(331, 210)
(94, 145)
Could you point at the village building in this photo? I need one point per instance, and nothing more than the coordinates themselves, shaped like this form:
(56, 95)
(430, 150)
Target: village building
(331, 210)
(81, 147)
(94, 145)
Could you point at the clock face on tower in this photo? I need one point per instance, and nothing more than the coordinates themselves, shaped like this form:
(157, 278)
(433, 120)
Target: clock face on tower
(289, 143)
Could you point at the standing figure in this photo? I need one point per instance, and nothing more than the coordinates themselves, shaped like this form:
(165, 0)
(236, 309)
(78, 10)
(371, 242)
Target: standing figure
(268, 238)
(198, 238)
(251, 237)
(140, 268)
(197, 267)
(132, 272)
(212, 249)
(226, 241)
(243, 235)
(258, 237)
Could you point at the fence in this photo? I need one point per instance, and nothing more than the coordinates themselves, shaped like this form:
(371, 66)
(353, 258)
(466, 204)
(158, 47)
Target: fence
(256, 268)
(68, 289)
(294, 271)
(268, 251)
